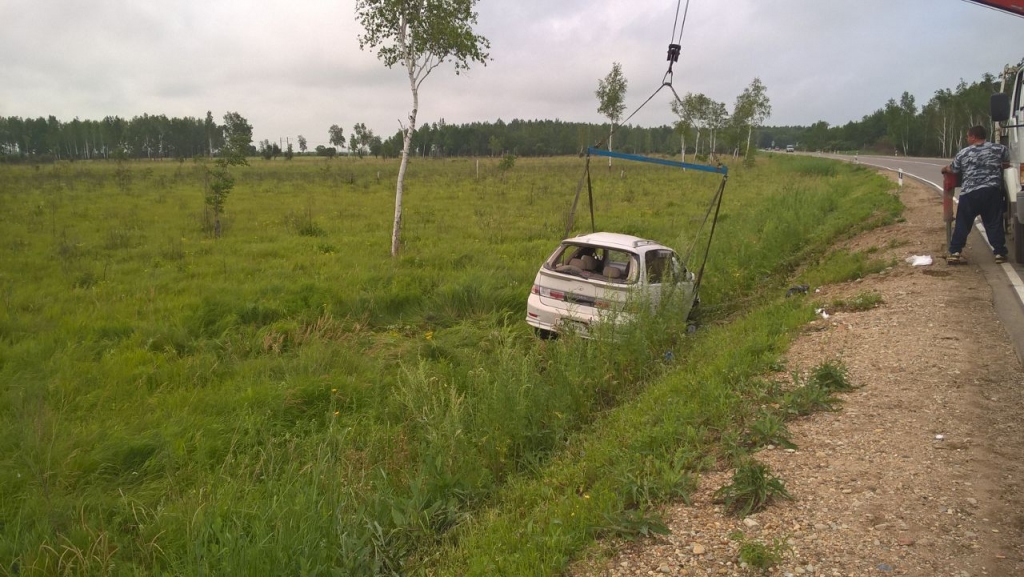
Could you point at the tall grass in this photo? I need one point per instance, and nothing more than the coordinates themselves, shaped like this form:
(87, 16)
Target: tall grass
(279, 401)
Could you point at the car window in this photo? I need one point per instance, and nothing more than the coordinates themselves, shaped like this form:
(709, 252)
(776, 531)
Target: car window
(598, 263)
(662, 266)
(619, 266)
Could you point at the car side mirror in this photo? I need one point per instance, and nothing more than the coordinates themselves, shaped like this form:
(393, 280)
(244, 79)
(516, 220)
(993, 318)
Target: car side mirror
(999, 105)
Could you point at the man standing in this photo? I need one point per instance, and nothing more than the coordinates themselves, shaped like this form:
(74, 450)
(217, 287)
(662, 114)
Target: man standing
(981, 166)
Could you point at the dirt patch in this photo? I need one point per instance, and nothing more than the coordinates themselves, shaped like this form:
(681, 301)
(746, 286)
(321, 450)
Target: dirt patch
(919, 473)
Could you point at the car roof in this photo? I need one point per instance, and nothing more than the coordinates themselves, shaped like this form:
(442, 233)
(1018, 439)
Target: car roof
(617, 240)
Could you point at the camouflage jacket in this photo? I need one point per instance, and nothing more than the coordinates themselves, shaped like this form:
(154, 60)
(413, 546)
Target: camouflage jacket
(981, 166)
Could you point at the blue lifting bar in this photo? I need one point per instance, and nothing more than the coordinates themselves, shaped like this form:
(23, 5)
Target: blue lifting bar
(601, 152)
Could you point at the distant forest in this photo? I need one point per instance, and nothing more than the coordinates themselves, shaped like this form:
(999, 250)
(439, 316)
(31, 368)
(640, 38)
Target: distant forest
(901, 126)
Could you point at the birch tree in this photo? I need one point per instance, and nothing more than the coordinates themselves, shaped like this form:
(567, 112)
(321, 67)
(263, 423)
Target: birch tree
(752, 108)
(693, 112)
(420, 35)
(336, 136)
(611, 96)
(219, 182)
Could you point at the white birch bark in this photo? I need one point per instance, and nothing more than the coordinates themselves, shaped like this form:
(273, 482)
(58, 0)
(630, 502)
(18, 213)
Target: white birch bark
(610, 134)
(410, 65)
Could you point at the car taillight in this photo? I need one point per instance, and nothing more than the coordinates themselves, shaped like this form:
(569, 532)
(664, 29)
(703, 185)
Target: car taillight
(570, 298)
(548, 293)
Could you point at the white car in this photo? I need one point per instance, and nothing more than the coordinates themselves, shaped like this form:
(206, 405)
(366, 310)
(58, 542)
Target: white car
(590, 278)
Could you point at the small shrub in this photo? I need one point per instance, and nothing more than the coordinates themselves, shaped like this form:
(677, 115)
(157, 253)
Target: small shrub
(303, 224)
(507, 162)
(311, 229)
(123, 177)
(753, 488)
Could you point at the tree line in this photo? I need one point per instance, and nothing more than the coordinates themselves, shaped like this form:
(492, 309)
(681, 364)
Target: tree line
(935, 129)
(704, 126)
(146, 136)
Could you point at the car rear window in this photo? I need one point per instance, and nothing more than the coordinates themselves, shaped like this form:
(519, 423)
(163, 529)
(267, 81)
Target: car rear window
(595, 262)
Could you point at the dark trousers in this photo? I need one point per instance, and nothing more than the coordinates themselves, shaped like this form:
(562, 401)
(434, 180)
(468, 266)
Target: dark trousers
(988, 204)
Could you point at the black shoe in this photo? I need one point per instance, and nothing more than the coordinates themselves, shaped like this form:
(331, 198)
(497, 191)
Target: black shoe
(954, 258)
(1000, 258)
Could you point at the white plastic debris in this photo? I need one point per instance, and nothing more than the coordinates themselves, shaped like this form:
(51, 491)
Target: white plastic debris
(919, 260)
(939, 437)
(822, 312)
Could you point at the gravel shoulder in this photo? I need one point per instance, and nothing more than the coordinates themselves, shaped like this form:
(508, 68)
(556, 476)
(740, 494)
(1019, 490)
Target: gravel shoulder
(919, 473)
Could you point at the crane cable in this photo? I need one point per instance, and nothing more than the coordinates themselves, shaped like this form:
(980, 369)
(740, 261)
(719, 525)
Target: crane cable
(675, 45)
(674, 50)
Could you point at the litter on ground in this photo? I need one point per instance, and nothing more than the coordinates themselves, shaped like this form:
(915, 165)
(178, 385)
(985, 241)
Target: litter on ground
(919, 260)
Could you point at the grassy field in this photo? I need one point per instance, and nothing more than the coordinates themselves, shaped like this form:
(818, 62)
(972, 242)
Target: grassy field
(289, 399)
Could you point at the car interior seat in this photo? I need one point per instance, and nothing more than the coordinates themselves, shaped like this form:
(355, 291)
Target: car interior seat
(612, 272)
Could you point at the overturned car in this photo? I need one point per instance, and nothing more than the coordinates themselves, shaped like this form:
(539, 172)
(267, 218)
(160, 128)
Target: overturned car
(591, 278)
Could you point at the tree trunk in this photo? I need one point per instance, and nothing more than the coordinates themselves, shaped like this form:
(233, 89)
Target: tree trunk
(750, 132)
(396, 231)
(610, 134)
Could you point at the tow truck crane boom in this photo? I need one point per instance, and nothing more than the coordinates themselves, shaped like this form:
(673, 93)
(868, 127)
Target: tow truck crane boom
(1012, 6)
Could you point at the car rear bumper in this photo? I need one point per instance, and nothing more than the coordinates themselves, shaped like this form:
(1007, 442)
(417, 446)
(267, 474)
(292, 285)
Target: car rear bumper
(556, 319)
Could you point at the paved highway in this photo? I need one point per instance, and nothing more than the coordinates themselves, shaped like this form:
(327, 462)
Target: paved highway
(1005, 279)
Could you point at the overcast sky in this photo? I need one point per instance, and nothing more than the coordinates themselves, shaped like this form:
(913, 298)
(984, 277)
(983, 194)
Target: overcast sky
(295, 68)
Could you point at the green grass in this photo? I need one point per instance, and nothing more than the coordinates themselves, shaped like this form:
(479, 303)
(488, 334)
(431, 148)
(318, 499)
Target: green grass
(290, 399)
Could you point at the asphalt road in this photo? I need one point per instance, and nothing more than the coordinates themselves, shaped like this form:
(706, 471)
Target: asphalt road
(1005, 279)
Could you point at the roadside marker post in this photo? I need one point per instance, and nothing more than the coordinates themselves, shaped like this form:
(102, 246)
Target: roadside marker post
(901, 177)
(948, 190)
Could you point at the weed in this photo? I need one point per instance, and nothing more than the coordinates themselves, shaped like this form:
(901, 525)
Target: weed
(733, 448)
(174, 250)
(753, 488)
(769, 429)
(304, 225)
(633, 524)
(656, 482)
(863, 301)
(761, 556)
(843, 266)
(831, 375)
(808, 399)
